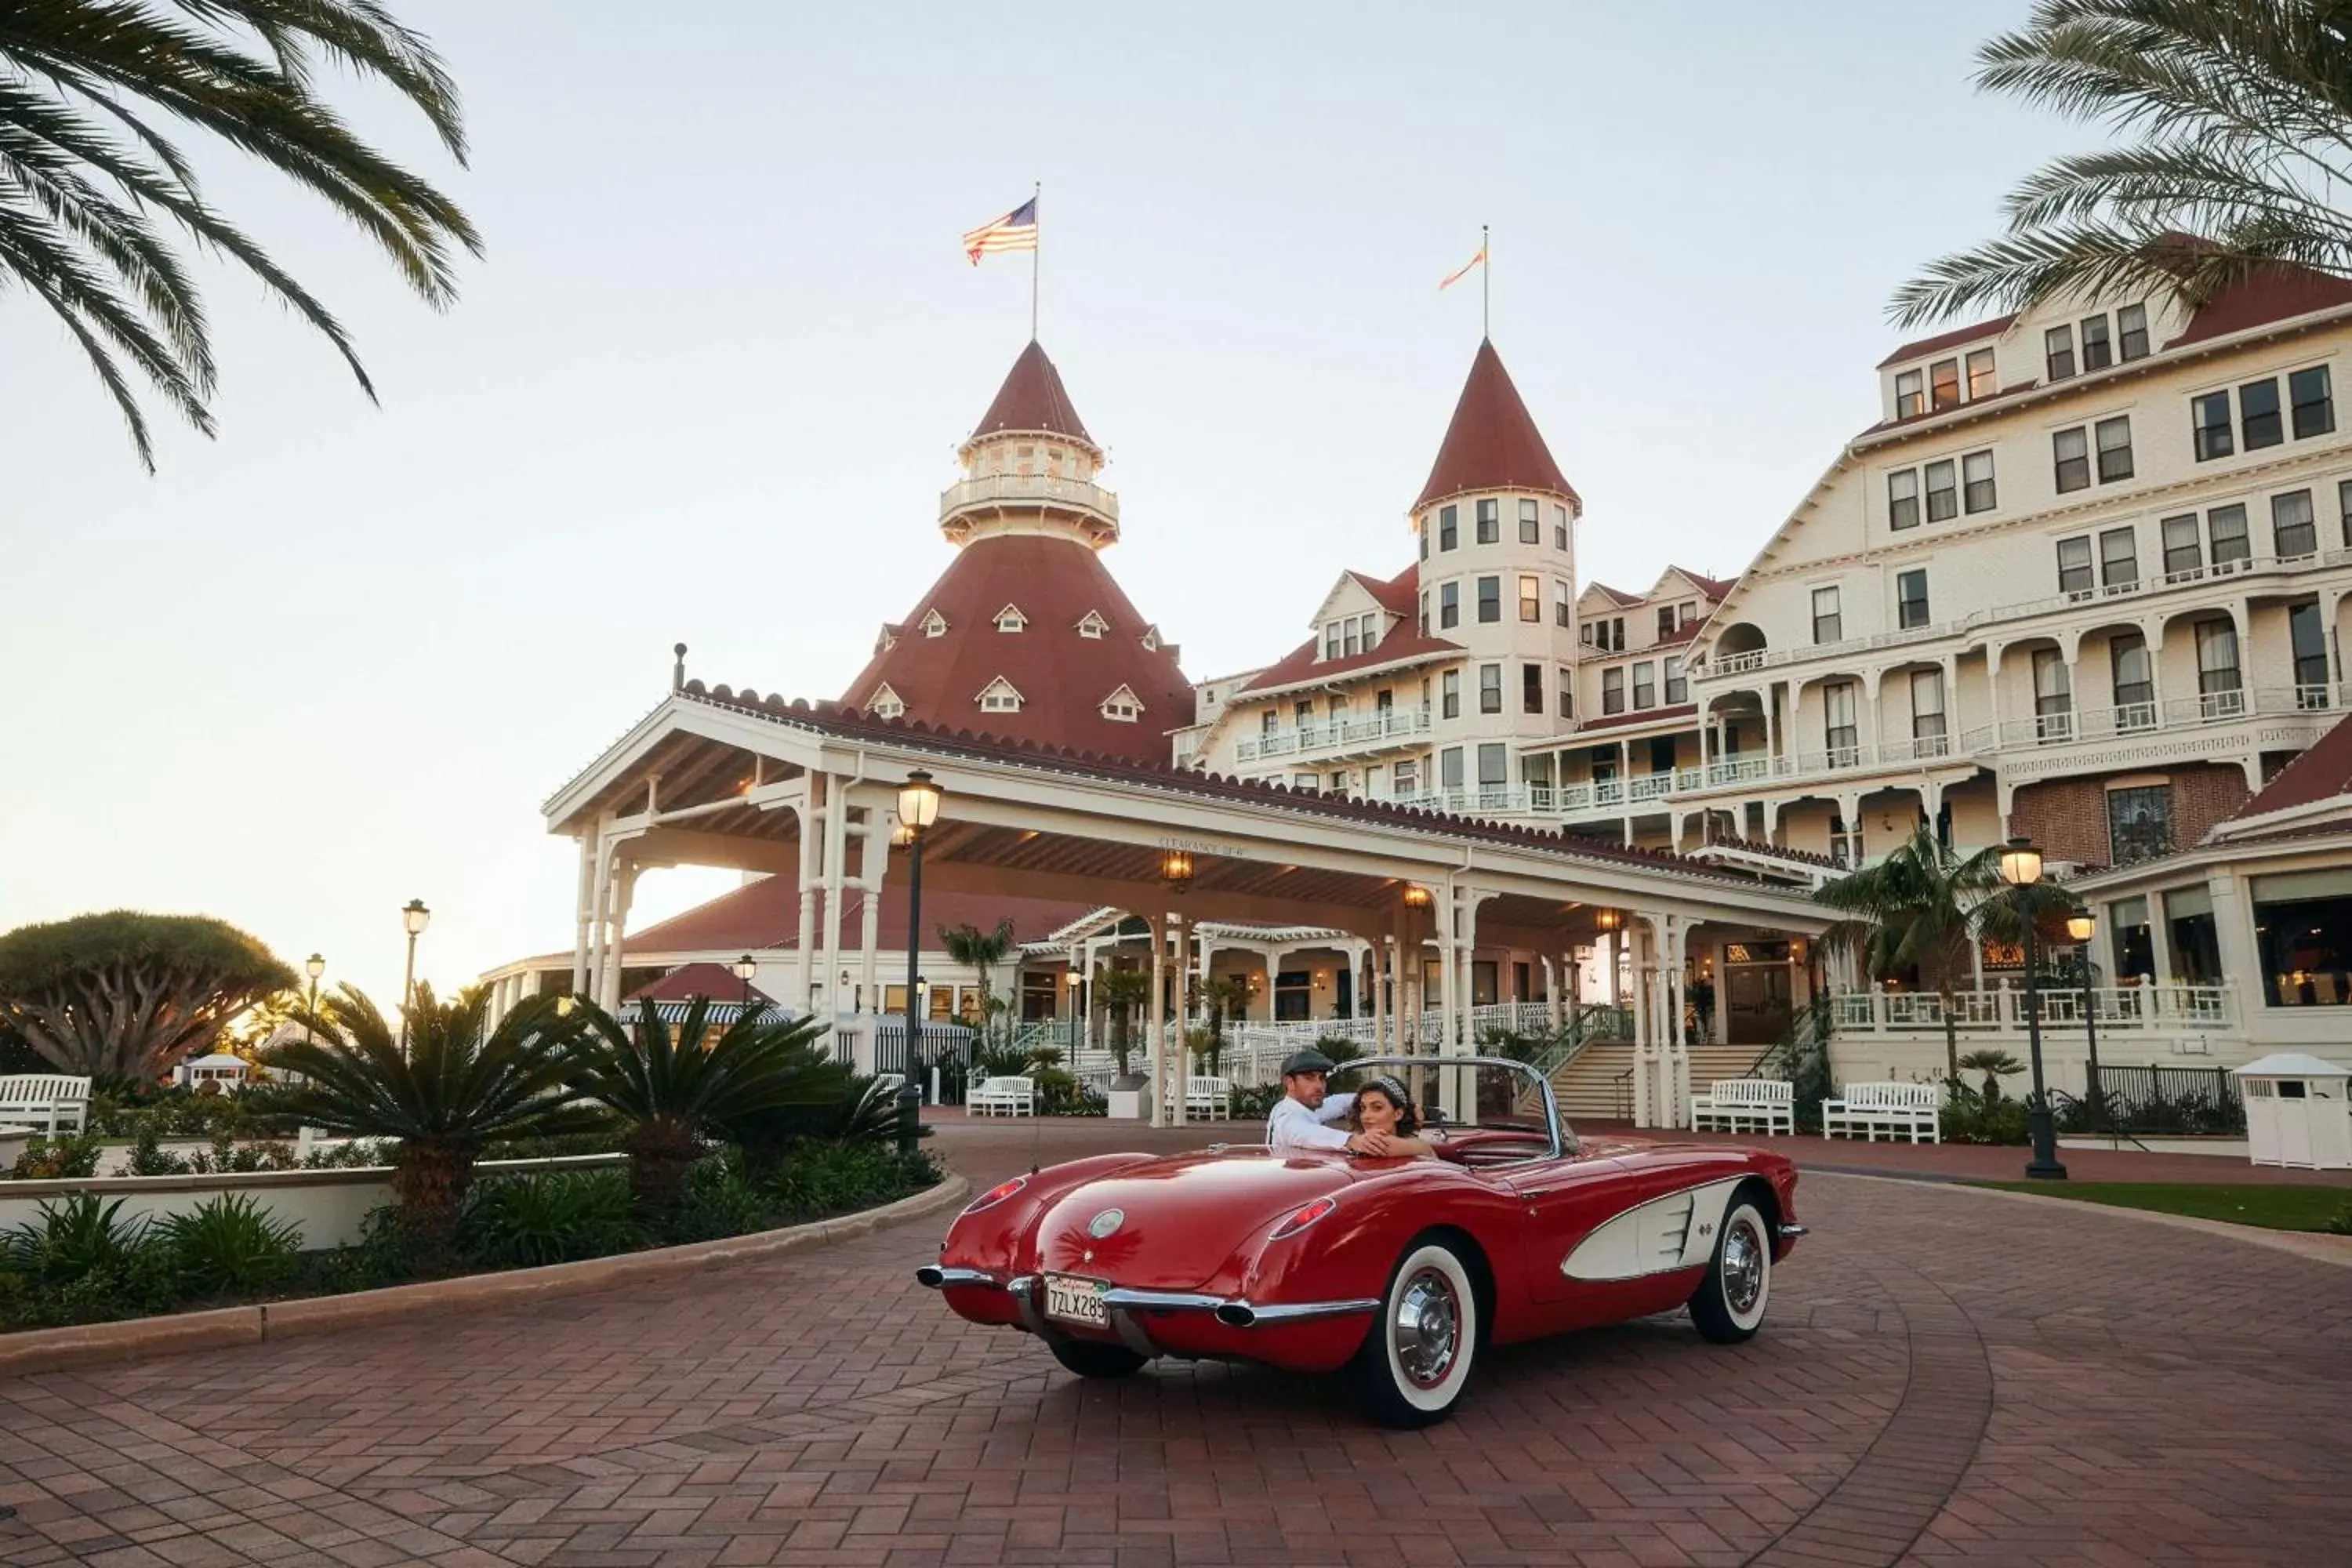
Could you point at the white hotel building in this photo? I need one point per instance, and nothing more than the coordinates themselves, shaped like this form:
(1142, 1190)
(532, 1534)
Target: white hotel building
(2082, 581)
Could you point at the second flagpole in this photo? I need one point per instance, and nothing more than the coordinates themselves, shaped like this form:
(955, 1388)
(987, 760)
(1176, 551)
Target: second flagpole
(1037, 218)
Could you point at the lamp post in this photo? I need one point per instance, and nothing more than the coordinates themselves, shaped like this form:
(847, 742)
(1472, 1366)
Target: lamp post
(2082, 925)
(2020, 867)
(1417, 898)
(414, 918)
(1070, 982)
(746, 967)
(918, 808)
(313, 966)
(1176, 872)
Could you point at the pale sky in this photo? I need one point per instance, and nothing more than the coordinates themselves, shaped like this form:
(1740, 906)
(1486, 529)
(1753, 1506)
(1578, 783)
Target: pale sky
(709, 381)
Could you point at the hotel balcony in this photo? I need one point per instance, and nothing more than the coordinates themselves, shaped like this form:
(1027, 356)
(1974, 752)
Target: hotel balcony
(2236, 575)
(1094, 505)
(2121, 1010)
(1382, 730)
(2089, 727)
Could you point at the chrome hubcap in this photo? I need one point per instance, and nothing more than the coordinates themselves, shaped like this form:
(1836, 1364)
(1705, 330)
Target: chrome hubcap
(1743, 1269)
(1428, 1328)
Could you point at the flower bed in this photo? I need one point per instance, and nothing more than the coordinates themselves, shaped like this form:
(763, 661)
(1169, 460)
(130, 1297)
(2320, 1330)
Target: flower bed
(96, 1251)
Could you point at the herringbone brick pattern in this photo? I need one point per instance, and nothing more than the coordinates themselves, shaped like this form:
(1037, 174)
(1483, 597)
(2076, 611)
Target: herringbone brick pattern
(1945, 1377)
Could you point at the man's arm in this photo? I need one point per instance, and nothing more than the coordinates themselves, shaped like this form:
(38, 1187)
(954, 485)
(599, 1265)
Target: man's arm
(1305, 1132)
(1335, 1107)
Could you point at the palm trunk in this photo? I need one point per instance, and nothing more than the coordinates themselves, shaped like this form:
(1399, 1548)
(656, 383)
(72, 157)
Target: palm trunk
(660, 1155)
(1951, 1041)
(430, 1178)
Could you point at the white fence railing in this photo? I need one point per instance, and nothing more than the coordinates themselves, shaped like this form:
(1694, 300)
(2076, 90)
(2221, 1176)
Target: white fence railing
(2121, 1008)
(1373, 729)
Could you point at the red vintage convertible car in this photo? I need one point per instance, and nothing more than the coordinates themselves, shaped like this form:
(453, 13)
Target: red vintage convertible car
(1397, 1271)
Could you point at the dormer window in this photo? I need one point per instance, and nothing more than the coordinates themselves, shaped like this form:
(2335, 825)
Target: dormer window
(885, 703)
(1121, 707)
(1982, 382)
(1151, 639)
(1910, 394)
(935, 625)
(1944, 383)
(1093, 626)
(1010, 619)
(886, 640)
(999, 696)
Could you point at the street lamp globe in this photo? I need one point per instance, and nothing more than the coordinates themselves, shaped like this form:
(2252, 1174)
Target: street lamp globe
(745, 968)
(314, 966)
(2082, 925)
(2021, 863)
(415, 917)
(919, 801)
(1416, 896)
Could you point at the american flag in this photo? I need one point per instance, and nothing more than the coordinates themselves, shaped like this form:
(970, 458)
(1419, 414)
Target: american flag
(1016, 230)
(1466, 268)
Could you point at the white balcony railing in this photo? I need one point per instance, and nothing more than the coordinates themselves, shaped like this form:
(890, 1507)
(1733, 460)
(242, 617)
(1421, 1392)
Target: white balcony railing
(1725, 664)
(2089, 725)
(2121, 1009)
(1372, 731)
(1014, 489)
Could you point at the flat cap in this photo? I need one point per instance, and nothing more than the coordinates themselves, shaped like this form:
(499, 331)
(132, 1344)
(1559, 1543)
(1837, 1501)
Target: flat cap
(1310, 1060)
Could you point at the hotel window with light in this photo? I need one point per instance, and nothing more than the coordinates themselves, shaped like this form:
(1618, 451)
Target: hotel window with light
(1944, 384)
(1490, 688)
(1531, 599)
(1531, 522)
(1910, 394)
(1981, 382)
(1490, 524)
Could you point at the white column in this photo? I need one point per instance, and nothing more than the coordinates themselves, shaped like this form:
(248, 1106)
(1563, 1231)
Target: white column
(805, 953)
(1183, 1054)
(837, 861)
(624, 882)
(1677, 1048)
(873, 862)
(1155, 1038)
(1379, 954)
(1645, 1086)
(583, 909)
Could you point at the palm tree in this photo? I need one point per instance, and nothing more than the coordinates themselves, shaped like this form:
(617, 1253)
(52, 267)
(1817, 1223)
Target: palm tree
(460, 1085)
(2239, 118)
(87, 177)
(1120, 992)
(1225, 997)
(1921, 906)
(1995, 1065)
(672, 1088)
(981, 952)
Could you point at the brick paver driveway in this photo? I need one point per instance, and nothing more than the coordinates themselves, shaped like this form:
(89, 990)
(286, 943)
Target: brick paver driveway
(1946, 1375)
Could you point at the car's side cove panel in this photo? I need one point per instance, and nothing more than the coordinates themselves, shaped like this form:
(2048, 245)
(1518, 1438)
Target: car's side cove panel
(1662, 1236)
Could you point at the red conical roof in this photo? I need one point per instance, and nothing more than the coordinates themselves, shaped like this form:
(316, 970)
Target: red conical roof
(1492, 443)
(1063, 675)
(1031, 398)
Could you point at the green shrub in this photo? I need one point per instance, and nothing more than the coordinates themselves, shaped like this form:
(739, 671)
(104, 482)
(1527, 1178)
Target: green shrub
(71, 1236)
(554, 1216)
(1256, 1104)
(45, 1159)
(829, 1179)
(717, 1199)
(1340, 1048)
(229, 1243)
(81, 1262)
(355, 1155)
(148, 1158)
(1969, 1118)
(2342, 1223)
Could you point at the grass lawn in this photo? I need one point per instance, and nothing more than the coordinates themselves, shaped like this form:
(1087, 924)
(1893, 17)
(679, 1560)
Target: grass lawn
(2272, 1207)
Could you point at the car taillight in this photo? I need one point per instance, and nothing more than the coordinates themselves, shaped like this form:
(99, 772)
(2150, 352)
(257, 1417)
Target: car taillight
(996, 1195)
(1301, 1218)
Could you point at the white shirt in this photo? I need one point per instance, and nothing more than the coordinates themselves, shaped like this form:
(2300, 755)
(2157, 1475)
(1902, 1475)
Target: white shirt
(1290, 1125)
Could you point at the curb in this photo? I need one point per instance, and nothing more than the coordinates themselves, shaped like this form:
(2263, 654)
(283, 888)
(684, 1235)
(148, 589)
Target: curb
(2313, 1245)
(53, 1350)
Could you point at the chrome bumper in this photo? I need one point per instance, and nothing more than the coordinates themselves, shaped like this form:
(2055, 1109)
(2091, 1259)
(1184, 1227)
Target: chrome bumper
(1790, 1231)
(1121, 1305)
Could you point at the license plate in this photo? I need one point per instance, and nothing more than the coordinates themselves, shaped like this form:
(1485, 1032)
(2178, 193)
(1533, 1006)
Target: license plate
(1077, 1300)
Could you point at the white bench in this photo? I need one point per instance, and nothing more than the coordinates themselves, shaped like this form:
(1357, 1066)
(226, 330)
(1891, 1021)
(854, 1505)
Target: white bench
(1209, 1098)
(1895, 1109)
(886, 1085)
(1745, 1104)
(47, 1103)
(1003, 1096)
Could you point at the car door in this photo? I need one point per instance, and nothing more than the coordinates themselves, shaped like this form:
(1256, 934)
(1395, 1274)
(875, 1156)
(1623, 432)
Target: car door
(1561, 1202)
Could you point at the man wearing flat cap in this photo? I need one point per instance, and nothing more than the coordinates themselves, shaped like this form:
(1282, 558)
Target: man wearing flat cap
(1300, 1121)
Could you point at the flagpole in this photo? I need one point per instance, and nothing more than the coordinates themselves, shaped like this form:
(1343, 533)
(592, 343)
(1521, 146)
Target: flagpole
(1485, 284)
(1037, 213)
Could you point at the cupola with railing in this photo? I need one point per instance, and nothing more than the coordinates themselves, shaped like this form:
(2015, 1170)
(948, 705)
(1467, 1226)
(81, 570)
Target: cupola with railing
(1030, 467)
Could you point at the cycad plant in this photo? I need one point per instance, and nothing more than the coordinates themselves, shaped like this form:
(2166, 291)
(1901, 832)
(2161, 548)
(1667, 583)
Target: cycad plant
(1120, 992)
(1995, 1065)
(2236, 123)
(674, 1086)
(461, 1084)
(96, 99)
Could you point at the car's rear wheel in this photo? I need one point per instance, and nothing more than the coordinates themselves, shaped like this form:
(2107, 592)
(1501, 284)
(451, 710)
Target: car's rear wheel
(1092, 1358)
(1728, 1305)
(1416, 1356)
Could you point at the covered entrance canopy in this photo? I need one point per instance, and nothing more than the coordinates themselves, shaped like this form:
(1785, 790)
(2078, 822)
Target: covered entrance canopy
(722, 778)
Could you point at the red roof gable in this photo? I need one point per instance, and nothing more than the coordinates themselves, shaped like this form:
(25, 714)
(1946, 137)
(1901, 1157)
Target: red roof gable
(766, 914)
(716, 981)
(1713, 587)
(1061, 675)
(2322, 772)
(1950, 340)
(1399, 595)
(1639, 716)
(2270, 293)
(1492, 443)
(1617, 595)
(1302, 663)
(1033, 399)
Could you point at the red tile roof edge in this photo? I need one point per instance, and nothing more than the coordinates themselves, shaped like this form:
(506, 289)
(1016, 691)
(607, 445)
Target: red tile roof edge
(1950, 340)
(2322, 771)
(834, 717)
(1639, 716)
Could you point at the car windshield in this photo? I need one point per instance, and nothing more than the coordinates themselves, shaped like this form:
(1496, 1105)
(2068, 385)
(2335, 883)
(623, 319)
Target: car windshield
(1461, 1093)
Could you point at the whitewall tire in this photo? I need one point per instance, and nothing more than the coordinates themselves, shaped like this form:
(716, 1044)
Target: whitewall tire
(1416, 1356)
(1728, 1306)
